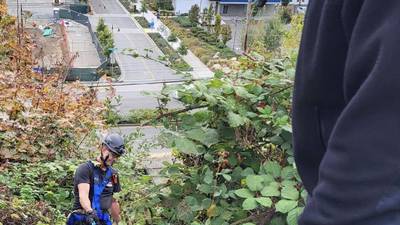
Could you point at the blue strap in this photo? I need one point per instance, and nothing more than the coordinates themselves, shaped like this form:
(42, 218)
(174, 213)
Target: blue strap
(98, 188)
(76, 218)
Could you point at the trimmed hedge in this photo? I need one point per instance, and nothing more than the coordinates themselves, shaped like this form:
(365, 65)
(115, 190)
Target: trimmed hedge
(176, 61)
(142, 21)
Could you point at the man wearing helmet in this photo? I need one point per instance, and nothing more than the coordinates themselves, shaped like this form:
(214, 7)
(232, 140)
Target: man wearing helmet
(94, 185)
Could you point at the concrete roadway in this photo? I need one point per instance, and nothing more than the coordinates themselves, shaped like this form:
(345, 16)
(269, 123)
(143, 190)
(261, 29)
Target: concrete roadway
(130, 36)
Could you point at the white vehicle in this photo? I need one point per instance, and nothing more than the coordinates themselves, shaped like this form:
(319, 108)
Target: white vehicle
(301, 9)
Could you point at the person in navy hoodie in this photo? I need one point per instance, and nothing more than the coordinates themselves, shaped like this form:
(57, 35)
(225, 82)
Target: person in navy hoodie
(346, 112)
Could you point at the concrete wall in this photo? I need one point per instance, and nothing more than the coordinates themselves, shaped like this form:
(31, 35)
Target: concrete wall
(183, 6)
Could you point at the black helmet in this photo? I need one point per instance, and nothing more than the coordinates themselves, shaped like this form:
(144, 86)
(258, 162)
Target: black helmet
(115, 143)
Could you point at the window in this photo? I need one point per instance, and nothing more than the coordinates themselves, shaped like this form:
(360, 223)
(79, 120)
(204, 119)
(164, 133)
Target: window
(225, 9)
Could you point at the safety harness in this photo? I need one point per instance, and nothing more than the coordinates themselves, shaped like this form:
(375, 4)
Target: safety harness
(97, 185)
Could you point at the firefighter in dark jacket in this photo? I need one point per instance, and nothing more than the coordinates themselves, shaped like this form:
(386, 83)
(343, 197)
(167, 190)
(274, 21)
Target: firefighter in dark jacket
(346, 112)
(94, 186)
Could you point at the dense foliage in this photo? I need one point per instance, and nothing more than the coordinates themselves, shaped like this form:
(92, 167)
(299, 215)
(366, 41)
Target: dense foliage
(105, 37)
(232, 142)
(41, 117)
(234, 151)
(142, 21)
(204, 44)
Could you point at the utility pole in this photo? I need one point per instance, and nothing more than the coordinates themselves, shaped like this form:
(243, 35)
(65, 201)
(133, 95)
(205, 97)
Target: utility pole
(22, 20)
(247, 26)
(18, 28)
(234, 34)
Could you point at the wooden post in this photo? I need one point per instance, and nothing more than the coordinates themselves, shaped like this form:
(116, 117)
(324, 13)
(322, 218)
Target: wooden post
(247, 26)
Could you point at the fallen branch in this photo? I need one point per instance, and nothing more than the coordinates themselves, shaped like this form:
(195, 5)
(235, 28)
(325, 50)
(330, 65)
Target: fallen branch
(175, 113)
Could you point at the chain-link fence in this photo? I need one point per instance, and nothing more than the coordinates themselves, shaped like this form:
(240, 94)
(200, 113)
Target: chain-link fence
(84, 74)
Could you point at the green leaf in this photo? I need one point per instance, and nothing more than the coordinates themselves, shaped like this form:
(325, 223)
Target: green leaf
(267, 179)
(236, 120)
(247, 171)
(287, 173)
(249, 204)
(186, 146)
(248, 224)
(284, 206)
(272, 190)
(205, 188)
(244, 193)
(227, 177)
(215, 83)
(192, 202)
(208, 157)
(206, 203)
(208, 176)
(293, 215)
(207, 137)
(277, 221)
(273, 168)
(267, 202)
(290, 192)
(255, 182)
(242, 92)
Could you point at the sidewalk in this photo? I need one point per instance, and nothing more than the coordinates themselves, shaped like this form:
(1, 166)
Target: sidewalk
(200, 71)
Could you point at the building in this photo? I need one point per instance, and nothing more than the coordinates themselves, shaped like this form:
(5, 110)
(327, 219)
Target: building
(239, 7)
(183, 6)
(226, 7)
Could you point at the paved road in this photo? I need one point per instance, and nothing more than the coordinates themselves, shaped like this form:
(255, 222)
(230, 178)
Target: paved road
(157, 155)
(134, 70)
(133, 37)
(39, 8)
(134, 98)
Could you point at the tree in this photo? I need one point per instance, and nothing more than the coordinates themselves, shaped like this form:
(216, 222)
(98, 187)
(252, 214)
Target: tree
(105, 37)
(194, 13)
(274, 33)
(209, 16)
(42, 118)
(182, 49)
(217, 26)
(143, 9)
(204, 17)
(101, 25)
(226, 33)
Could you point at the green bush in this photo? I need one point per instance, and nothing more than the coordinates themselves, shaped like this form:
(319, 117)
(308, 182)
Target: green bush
(274, 34)
(182, 49)
(105, 37)
(211, 39)
(285, 15)
(165, 5)
(139, 116)
(197, 45)
(128, 4)
(221, 44)
(172, 38)
(142, 21)
(50, 183)
(196, 30)
(194, 14)
(184, 21)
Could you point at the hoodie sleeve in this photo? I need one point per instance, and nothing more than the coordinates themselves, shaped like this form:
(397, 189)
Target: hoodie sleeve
(359, 174)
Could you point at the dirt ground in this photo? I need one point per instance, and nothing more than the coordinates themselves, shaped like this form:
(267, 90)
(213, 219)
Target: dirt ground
(48, 51)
